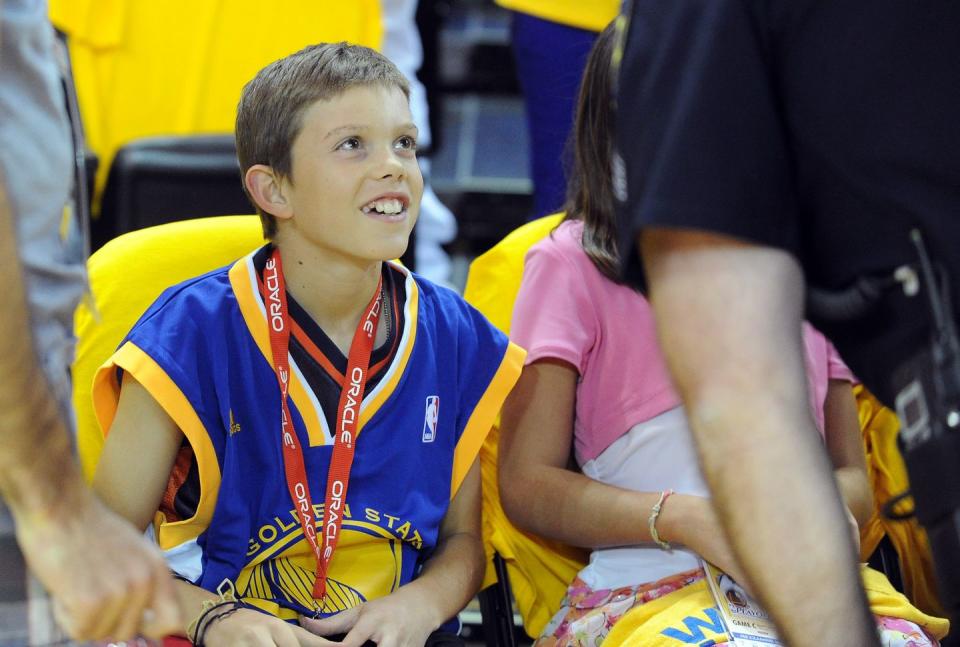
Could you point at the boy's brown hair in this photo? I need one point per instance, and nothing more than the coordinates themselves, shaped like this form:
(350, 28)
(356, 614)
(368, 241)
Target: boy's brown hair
(270, 112)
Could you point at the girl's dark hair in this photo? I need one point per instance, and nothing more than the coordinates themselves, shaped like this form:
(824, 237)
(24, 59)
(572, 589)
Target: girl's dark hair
(590, 184)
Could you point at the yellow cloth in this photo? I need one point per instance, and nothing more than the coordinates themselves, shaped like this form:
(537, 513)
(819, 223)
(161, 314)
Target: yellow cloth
(539, 570)
(585, 14)
(126, 276)
(690, 612)
(494, 277)
(887, 601)
(177, 67)
(888, 477)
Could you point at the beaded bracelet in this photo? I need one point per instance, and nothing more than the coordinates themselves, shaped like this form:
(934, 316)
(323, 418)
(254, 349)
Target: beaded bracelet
(652, 521)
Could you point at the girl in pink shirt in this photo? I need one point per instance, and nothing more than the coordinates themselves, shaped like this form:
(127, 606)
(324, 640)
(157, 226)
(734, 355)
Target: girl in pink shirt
(596, 386)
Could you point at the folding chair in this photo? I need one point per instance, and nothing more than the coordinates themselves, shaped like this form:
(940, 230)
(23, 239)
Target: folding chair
(157, 180)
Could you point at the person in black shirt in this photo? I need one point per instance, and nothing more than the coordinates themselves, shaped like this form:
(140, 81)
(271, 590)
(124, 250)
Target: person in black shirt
(764, 146)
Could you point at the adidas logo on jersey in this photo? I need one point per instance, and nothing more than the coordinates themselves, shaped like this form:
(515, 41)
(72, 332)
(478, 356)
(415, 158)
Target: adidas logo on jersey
(234, 425)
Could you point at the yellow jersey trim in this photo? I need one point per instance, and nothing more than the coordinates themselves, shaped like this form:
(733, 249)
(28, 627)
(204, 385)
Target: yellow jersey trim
(484, 414)
(243, 279)
(168, 395)
(388, 383)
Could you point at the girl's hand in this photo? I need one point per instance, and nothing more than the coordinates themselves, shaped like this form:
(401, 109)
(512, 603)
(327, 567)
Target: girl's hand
(397, 620)
(854, 528)
(250, 628)
(695, 524)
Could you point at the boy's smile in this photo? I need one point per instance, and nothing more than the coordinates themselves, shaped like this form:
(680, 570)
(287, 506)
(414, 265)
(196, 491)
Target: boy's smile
(355, 185)
(390, 207)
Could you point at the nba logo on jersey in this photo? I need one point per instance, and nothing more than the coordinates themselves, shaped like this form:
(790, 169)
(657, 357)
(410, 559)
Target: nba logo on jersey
(430, 418)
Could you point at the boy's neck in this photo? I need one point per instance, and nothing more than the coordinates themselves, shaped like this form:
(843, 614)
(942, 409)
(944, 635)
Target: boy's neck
(332, 289)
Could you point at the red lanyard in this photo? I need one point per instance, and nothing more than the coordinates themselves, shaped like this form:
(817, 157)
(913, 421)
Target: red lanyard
(345, 433)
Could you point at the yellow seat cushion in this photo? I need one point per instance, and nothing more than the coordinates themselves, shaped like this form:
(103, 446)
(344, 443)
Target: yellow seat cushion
(126, 276)
(539, 570)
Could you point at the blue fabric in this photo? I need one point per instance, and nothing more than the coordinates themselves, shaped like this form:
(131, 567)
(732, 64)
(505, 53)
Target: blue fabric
(550, 59)
(400, 484)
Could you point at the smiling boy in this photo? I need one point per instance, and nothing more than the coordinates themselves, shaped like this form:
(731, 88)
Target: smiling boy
(312, 375)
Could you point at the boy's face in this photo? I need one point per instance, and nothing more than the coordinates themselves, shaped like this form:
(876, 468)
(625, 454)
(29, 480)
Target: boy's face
(356, 184)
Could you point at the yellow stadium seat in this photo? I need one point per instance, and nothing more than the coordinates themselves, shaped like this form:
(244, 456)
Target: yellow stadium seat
(539, 570)
(126, 276)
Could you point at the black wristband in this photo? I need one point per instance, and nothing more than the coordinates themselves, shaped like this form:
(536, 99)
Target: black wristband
(202, 628)
(199, 630)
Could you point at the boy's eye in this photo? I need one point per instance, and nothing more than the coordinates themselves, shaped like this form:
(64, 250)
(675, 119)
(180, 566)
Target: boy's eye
(349, 144)
(407, 142)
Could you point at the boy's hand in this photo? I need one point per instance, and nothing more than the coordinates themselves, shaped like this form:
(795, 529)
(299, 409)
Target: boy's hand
(250, 628)
(397, 620)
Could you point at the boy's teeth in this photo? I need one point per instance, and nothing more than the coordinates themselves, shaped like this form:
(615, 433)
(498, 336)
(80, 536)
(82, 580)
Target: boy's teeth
(384, 206)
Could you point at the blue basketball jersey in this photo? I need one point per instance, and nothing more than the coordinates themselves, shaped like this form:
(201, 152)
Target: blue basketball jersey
(202, 350)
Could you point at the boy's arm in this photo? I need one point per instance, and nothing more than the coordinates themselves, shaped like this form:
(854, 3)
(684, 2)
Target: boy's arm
(452, 576)
(449, 579)
(137, 456)
(106, 582)
(131, 476)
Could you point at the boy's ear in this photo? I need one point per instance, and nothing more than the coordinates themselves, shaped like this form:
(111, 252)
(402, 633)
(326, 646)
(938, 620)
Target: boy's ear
(268, 190)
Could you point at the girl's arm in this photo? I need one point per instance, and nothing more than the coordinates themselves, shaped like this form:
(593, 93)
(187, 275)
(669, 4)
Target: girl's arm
(131, 476)
(845, 446)
(541, 495)
(449, 579)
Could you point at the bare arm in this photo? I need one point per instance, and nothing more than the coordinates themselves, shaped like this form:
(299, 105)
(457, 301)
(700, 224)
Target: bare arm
(728, 316)
(845, 446)
(449, 579)
(137, 456)
(452, 575)
(134, 467)
(541, 495)
(102, 576)
(37, 467)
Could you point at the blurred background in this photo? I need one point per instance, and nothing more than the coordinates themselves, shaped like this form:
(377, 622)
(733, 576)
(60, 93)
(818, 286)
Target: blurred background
(158, 130)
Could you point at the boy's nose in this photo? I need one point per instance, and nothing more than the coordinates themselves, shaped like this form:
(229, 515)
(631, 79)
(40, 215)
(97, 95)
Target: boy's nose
(389, 165)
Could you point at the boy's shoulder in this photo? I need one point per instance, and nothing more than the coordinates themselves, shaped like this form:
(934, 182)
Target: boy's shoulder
(209, 284)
